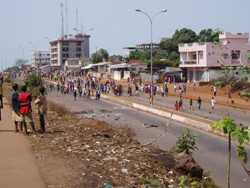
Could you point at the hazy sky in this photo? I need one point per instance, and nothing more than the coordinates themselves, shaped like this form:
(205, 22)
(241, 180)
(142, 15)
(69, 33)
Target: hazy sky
(25, 24)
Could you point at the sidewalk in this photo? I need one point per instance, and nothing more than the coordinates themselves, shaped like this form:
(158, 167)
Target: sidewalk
(17, 163)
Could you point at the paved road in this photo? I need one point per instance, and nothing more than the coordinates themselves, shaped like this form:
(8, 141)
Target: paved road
(17, 163)
(240, 116)
(212, 149)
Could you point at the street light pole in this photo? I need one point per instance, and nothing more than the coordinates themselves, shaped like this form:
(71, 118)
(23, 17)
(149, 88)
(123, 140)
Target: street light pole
(150, 18)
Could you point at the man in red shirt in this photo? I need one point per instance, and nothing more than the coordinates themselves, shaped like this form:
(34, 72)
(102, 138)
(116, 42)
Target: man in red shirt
(25, 108)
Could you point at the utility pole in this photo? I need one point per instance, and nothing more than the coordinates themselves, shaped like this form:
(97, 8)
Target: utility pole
(62, 21)
(150, 18)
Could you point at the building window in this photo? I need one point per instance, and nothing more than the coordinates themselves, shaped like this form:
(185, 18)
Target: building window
(78, 49)
(200, 54)
(65, 49)
(65, 55)
(78, 55)
(225, 55)
(235, 54)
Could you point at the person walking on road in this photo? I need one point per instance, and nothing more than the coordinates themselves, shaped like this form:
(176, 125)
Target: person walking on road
(180, 103)
(176, 106)
(15, 108)
(75, 93)
(199, 101)
(213, 103)
(191, 105)
(24, 99)
(41, 103)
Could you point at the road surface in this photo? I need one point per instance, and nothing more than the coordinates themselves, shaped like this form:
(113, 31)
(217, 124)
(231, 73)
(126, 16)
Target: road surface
(162, 132)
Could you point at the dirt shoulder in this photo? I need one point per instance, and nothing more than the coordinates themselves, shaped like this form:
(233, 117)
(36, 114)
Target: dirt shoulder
(88, 153)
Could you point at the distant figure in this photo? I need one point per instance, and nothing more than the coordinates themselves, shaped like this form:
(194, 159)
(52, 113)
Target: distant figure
(214, 91)
(199, 101)
(129, 90)
(175, 88)
(213, 103)
(41, 103)
(75, 93)
(176, 106)
(180, 103)
(191, 104)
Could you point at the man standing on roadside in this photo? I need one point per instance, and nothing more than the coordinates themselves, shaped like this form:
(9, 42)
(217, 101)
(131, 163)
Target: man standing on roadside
(41, 103)
(15, 108)
(25, 109)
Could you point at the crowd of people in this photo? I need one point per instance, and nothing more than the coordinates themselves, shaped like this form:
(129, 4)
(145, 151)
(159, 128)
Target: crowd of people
(90, 86)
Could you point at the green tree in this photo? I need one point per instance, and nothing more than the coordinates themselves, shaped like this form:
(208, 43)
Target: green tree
(208, 35)
(143, 56)
(184, 36)
(241, 135)
(100, 55)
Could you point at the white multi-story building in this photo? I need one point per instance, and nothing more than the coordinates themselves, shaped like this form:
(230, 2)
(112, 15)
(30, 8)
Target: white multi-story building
(71, 47)
(40, 58)
(204, 61)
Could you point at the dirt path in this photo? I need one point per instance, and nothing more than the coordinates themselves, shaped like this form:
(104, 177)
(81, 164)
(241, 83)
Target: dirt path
(17, 163)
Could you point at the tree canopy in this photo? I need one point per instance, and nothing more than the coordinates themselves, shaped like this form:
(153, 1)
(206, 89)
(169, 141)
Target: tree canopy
(168, 52)
(100, 55)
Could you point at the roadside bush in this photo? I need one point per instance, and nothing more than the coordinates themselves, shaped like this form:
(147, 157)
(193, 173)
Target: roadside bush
(245, 93)
(240, 85)
(186, 143)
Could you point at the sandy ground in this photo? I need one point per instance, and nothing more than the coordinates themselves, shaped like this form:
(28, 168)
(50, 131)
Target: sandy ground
(17, 163)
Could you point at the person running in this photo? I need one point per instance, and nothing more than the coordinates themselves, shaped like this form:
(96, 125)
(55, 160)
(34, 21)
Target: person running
(41, 103)
(24, 99)
(15, 108)
(199, 101)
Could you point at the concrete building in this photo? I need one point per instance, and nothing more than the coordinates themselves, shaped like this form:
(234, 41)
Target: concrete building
(203, 62)
(40, 58)
(70, 47)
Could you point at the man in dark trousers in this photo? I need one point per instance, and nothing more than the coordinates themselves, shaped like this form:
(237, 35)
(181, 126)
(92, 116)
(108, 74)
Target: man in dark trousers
(15, 108)
(199, 102)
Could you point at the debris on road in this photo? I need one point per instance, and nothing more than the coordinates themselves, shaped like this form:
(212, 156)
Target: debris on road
(94, 154)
